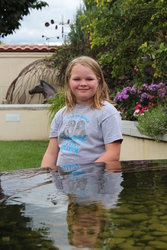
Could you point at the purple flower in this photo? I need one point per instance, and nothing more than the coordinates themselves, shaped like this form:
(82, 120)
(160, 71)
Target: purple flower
(124, 91)
(118, 97)
(134, 89)
(152, 87)
(161, 84)
(144, 85)
(162, 93)
(144, 96)
(125, 97)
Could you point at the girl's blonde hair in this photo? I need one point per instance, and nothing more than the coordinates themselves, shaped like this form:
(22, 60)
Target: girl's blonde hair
(102, 92)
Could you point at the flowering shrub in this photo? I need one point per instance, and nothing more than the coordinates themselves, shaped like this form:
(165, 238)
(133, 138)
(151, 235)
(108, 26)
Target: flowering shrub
(126, 101)
(139, 110)
(133, 101)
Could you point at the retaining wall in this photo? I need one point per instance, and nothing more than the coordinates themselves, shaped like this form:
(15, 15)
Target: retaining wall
(24, 122)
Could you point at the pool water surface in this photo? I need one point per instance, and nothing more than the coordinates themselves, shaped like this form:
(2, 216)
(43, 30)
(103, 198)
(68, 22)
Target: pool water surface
(121, 205)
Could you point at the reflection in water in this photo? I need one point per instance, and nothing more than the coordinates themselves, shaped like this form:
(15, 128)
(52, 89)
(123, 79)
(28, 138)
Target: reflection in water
(91, 190)
(92, 183)
(14, 232)
(98, 206)
(24, 198)
(84, 224)
(133, 216)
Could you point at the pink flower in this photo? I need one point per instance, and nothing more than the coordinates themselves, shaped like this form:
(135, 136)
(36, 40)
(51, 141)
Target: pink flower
(137, 69)
(138, 107)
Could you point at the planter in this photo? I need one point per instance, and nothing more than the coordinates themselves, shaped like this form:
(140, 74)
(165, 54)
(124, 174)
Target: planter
(130, 128)
(136, 146)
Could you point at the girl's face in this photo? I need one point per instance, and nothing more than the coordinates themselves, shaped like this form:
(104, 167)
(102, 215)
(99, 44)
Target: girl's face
(83, 83)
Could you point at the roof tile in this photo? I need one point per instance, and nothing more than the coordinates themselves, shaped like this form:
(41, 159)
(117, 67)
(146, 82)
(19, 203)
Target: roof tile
(27, 48)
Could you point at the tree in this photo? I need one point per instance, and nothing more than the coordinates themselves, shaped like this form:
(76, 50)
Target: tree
(11, 12)
(77, 37)
(128, 39)
(131, 38)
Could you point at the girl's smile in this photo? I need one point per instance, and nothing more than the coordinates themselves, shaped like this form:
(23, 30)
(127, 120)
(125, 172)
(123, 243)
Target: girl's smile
(83, 83)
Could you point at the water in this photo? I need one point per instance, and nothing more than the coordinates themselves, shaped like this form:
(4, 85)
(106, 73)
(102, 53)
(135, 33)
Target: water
(118, 206)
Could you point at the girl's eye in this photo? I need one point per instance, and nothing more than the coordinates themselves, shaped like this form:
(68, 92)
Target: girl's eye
(89, 79)
(75, 79)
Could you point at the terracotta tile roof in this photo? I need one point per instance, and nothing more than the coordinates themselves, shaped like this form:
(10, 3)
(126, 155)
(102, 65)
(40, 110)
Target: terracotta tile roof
(27, 48)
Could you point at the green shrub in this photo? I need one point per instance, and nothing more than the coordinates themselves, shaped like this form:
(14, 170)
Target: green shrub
(56, 103)
(153, 122)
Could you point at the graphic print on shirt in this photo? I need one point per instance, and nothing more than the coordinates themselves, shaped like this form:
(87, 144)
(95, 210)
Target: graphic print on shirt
(74, 131)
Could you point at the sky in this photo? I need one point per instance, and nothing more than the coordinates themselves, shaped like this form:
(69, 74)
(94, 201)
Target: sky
(33, 30)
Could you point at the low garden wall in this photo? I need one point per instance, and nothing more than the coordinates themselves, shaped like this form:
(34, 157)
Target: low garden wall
(24, 122)
(140, 147)
(31, 122)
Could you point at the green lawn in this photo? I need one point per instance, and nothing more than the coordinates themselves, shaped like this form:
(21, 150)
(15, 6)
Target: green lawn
(21, 154)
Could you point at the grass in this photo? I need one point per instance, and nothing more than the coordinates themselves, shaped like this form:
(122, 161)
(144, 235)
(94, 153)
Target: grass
(16, 155)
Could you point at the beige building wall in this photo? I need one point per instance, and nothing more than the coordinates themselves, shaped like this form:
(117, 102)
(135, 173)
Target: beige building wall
(11, 63)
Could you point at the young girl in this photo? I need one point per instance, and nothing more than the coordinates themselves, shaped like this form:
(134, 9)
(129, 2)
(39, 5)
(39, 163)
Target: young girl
(88, 129)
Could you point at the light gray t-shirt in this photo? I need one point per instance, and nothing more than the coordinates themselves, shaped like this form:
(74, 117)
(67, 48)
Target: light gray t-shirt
(83, 132)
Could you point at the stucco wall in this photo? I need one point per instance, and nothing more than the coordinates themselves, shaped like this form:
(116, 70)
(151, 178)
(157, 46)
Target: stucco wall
(24, 122)
(136, 148)
(140, 147)
(11, 63)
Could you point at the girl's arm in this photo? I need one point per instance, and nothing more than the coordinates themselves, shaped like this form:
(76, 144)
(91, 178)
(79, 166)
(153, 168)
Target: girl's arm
(112, 152)
(51, 154)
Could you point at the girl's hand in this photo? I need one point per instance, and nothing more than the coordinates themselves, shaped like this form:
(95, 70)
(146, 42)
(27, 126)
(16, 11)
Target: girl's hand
(113, 167)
